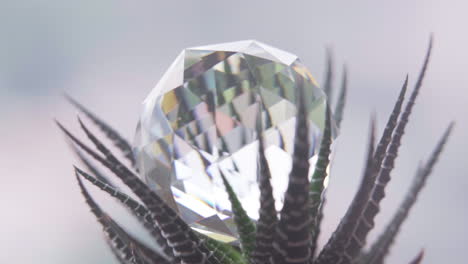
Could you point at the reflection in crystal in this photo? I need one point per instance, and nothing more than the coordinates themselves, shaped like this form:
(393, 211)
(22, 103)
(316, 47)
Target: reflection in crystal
(200, 119)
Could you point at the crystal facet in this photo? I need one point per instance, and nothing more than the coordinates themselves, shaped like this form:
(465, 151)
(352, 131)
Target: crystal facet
(200, 119)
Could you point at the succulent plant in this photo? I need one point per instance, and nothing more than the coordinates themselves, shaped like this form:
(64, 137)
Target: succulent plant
(289, 236)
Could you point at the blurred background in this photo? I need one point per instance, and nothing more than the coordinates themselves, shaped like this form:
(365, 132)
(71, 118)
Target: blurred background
(109, 54)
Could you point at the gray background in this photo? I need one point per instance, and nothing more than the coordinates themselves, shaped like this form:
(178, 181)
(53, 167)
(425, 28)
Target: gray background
(110, 53)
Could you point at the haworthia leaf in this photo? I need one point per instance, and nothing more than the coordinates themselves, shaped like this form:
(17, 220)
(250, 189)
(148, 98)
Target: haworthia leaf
(334, 249)
(418, 259)
(115, 251)
(365, 188)
(276, 241)
(292, 237)
(90, 166)
(268, 219)
(389, 128)
(137, 209)
(317, 228)
(181, 238)
(123, 243)
(317, 181)
(225, 253)
(244, 224)
(340, 105)
(366, 220)
(120, 142)
(381, 247)
(328, 84)
(136, 258)
(147, 254)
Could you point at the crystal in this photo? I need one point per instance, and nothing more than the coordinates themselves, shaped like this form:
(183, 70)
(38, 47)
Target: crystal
(201, 117)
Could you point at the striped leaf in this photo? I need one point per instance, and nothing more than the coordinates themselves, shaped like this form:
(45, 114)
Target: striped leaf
(244, 224)
(317, 181)
(388, 131)
(120, 142)
(381, 247)
(225, 253)
(125, 246)
(292, 237)
(268, 218)
(116, 252)
(366, 220)
(184, 242)
(147, 254)
(90, 166)
(137, 209)
(334, 249)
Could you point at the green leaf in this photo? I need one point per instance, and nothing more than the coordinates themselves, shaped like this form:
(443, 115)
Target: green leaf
(244, 224)
(317, 180)
(224, 252)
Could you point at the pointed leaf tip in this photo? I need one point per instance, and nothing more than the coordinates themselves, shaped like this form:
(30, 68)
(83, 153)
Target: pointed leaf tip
(120, 240)
(292, 237)
(267, 213)
(418, 259)
(122, 144)
(423, 71)
(328, 84)
(89, 165)
(390, 127)
(345, 234)
(380, 249)
(186, 245)
(372, 206)
(340, 106)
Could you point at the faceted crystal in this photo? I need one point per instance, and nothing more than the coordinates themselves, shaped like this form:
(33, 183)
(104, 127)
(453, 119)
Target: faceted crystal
(200, 120)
